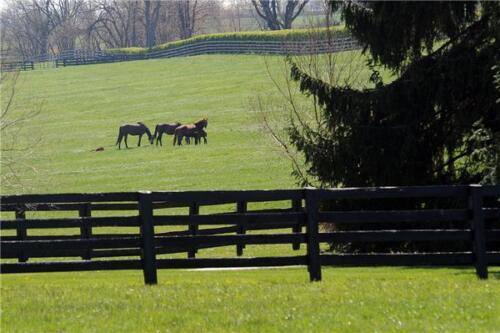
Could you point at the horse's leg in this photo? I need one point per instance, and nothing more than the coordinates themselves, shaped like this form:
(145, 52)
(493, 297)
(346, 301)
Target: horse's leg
(126, 143)
(159, 137)
(139, 143)
(119, 141)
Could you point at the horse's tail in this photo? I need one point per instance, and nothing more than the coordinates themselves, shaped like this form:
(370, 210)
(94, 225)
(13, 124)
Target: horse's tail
(119, 136)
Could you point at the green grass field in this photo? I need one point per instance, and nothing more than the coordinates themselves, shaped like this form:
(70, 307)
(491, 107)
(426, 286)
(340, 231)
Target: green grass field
(271, 300)
(81, 110)
(83, 107)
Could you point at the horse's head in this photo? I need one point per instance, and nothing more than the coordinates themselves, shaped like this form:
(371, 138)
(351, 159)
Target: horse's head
(151, 137)
(202, 123)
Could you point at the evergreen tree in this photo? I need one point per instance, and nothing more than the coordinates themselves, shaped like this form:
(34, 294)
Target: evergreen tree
(438, 122)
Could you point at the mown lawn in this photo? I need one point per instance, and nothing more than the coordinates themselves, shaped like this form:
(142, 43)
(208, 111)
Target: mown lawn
(270, 300)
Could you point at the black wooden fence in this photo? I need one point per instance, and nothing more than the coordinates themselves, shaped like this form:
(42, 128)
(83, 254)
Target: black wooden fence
(76, 57)
(11, 66)
(475, 212)
(82, 57)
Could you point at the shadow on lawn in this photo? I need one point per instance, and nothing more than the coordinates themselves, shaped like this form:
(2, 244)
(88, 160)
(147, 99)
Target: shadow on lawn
(493, 271)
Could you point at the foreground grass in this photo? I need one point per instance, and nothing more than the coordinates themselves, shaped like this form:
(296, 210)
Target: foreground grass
(270, 300)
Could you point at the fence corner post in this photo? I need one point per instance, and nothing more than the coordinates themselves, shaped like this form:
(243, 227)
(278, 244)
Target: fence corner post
(313, 257)
(148, 250)
(477, 227)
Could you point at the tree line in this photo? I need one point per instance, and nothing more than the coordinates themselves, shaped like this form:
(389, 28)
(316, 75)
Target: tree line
(39, 28)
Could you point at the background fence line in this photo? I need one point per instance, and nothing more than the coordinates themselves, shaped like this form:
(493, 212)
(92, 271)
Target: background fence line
(85, 57)
(474, 210)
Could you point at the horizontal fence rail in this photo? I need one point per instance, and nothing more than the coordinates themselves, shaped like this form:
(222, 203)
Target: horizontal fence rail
(16, 66)
(78, 57)
(134, 230)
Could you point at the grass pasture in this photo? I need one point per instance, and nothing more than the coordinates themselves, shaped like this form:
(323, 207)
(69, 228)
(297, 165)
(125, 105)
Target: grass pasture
(347, 300)
(82, 107)
(81, 110)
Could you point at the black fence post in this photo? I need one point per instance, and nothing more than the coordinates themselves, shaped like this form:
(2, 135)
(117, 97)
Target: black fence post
(21, 231)
(313, 258)
(85, 229)
(477, 227)
(241, 208)
(297, 207)
(194, 209)
(148, 251)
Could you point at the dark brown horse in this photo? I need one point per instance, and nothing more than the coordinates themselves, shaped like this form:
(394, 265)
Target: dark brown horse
(164, 129)
(133, 129)
(189, 130)
(197, 135)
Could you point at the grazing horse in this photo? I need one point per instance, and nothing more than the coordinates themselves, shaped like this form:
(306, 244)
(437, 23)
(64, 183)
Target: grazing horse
(133, 129)
(189, 130)
(197, 135)
(202, 123)
(164, 129)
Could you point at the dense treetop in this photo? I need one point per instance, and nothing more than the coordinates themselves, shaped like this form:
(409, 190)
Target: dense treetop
(438, 122)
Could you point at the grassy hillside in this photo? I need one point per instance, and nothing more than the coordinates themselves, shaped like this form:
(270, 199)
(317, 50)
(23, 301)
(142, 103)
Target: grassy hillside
(83, 107)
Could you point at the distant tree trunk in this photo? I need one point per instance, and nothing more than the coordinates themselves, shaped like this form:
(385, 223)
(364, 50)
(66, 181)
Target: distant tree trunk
(151, 14)
(134, 22)
(186, 12)
(44, 28)
(277, 14)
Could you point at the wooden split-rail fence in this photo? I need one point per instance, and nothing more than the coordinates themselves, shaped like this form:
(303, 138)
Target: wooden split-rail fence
(81, 57)
(104, 241)
(76, 57)
(13, 66)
